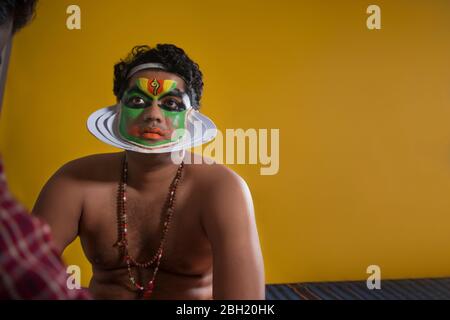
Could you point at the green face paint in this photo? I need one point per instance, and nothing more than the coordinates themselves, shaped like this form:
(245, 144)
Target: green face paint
(135, 107)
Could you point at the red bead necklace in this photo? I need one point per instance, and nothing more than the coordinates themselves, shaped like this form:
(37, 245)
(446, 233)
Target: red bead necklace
(147, 290)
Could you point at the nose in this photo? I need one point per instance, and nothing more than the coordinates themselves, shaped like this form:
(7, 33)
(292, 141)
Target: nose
(153, 113)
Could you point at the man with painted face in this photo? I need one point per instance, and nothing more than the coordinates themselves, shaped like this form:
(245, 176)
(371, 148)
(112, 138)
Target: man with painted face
(136, 124)
(153, 225)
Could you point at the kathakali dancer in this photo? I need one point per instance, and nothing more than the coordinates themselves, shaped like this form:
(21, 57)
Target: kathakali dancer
(152, 224)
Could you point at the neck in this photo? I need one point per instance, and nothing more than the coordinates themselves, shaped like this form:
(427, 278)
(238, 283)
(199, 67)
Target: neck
(145, 169)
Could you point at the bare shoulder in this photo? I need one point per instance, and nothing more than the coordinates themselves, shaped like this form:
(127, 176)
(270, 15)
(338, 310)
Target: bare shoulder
(224, 194)
(212, 177)
(60, 202)
(91, 168)
(68, 183)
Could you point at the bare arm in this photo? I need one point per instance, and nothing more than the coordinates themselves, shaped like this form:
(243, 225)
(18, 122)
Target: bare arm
(229, 222)
(60, 204)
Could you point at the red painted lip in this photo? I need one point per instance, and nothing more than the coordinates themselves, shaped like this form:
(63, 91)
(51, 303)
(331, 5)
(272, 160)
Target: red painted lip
(154, 133)
(152, 136)
(153, 130)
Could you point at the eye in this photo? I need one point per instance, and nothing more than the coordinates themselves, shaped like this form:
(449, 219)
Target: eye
(172, 105)
(135, 102)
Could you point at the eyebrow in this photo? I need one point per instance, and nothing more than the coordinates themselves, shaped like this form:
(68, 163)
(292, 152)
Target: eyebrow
(136, 89)
(175, 92)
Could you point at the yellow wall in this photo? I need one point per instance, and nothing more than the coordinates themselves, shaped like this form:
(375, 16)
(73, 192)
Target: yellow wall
(363, 115)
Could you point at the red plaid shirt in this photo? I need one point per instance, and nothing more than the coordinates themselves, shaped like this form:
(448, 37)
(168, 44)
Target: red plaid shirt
(30, 267)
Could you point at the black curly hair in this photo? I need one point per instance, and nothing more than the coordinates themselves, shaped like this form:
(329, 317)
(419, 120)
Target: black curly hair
(174, 60)
(21, 12)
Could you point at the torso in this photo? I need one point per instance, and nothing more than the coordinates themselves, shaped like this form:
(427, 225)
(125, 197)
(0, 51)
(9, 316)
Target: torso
(185, 271)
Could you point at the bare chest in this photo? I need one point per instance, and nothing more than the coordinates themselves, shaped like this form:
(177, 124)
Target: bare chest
(186, 250)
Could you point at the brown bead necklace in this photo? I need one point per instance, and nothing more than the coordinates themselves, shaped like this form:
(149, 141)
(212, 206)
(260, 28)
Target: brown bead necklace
(147, 290)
